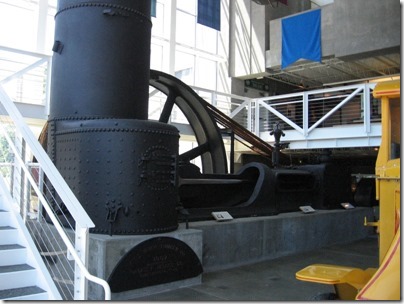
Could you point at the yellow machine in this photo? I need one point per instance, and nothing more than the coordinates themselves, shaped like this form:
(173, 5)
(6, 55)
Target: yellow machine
(383, 283)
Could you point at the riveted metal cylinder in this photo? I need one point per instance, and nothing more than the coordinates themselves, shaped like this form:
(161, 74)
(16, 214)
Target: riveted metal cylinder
(101, 61)
(123, 171)
(121, 167)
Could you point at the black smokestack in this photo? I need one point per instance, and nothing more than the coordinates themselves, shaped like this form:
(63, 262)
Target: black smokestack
(101, 59)
(121, 167)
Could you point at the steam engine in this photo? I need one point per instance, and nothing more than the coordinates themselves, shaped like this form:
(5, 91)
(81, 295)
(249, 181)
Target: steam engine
(126, 169)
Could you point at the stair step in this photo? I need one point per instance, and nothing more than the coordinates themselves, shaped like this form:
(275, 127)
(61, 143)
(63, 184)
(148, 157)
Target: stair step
(25, 293)
(18, 280)
(12, 254)
(17, 276)
(8, 235)
(15, 268)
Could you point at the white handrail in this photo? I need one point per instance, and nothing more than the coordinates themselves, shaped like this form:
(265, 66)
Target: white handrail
(243, 98)
(306, 98)
(23, 52)
(343, 102)
(70, 200)
(76, 210)
(23, 71)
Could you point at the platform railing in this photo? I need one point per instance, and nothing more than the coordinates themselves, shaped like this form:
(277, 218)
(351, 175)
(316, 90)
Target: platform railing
(56, 220)
(305, 112)
(26, 76)
(309, 110)
(301, 114)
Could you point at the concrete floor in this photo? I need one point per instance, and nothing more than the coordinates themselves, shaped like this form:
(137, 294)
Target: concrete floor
(274, 280)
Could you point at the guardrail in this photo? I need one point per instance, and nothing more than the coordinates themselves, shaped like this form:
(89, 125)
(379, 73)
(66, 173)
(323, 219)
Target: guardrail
(317, 117)
(46, 202)
(340, 117)
(24, 75)
(304, 116)
(307, 111)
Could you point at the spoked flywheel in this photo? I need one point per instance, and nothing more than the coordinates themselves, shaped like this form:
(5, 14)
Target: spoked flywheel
(210, 143)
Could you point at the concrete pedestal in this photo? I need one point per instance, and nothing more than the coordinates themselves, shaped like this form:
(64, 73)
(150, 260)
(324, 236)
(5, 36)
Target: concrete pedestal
(250, 240)
(225, 245)
(106, 251)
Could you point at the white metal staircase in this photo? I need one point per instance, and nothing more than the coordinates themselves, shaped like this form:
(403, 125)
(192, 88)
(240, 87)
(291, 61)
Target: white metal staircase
(33, 195)
(23, 275)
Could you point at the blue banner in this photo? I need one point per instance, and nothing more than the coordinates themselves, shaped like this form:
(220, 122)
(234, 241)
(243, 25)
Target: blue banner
(301, 37)
(209, 13)
(153, 8)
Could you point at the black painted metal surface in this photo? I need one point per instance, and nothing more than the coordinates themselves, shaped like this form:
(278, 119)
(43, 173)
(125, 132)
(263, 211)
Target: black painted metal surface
(155, 261)
(122, 171)
(101, 60)
(121, 167)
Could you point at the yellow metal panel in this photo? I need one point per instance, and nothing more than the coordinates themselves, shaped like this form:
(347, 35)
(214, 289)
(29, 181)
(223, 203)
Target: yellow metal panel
(347, 281)
(387, 88)
(323, 273)
(385, 284)
(389, 197)
(335, 274)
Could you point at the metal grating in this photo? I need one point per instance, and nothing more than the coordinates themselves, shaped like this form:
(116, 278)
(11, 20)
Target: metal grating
(312, 75)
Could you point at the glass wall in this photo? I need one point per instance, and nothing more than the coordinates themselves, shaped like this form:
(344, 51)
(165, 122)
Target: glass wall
(27, 24)
(180, 46)
(186, 49)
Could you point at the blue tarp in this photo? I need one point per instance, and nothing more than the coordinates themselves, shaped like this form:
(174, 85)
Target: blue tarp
(209, 13)
(301, 37)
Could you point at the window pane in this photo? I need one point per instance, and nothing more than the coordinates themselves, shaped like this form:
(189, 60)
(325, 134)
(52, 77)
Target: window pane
(21, 20)
(206, 39)
(50, 28)
(156, 57)
(184, 67)
(185, 28)
(161, 23)
(188, 6)
(52, 3)
(206, 74)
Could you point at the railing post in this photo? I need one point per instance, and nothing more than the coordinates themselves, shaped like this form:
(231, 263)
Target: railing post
(305, 113)
(19, 179)
(366, 108)
(214, 99)
(40, 186)
(81, 246)
(249, 116)
(27, 194)
(47, 86)
(256, 122)
(23, 182)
